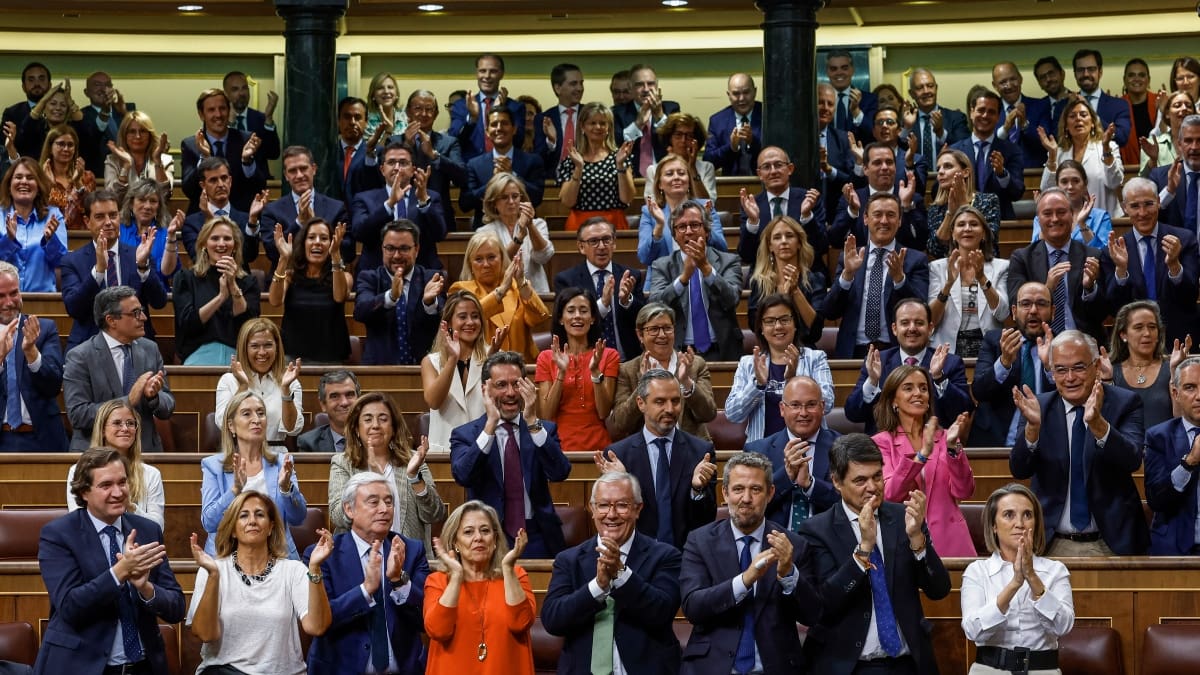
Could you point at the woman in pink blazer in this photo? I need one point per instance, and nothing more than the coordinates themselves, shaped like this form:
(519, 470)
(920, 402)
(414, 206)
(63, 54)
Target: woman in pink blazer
(939, 468)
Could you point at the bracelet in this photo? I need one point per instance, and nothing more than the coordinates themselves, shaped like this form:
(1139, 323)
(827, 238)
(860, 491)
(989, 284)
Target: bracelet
(279, 277)
(920, 459)
(943, 298)
(287, 492)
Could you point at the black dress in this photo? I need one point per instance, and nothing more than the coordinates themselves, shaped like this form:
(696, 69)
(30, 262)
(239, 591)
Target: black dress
(314, 326)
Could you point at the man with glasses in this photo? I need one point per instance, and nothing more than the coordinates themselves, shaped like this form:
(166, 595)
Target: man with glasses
(614, 597)
(405, 196)
(780, 198)
(119, 362)
(400, 302)
(1081, 444)
(1089, 68)
(618, 288)
(735, 131)
(439, 153)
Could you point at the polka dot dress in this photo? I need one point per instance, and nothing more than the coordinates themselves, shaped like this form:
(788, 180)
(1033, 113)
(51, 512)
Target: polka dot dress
(598, 189)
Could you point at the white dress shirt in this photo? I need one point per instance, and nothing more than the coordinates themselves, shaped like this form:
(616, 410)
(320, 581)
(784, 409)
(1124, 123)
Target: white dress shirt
(1028, 623)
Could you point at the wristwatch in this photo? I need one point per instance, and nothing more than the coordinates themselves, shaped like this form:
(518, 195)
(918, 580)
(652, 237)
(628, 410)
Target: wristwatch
(402, 580)
(597, 379)
(536, 427)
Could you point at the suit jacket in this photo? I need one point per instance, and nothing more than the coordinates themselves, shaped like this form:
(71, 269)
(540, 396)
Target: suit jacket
(194, 222)
(1112, 497)
(1173, 531)
(256, 123)
(381, 349)
(359, 178)
(16, 113)
(954, 126)
(993, 417)
(39, 392)
(1032, 263)
(723, 293)
(94, 153)
(369, 213)
(823, 496)
(1172, 213)
(244, 187)
(1175, 297)
(481, 473)
(526, 166)
(834, 643)
(1014, 164)
(626, 324)
(90, 378)
(319, 439)
(841, 160)
(815, 229)
(698, 408)
(471, 135)
(1113, 110)
(626, 114)
(914, 223)
(954, 399)
(848, 304)
(345, 647)
(84, 599)
(710, 561)
(868, 103)
(80, 289)
(718, 150)
(283, 211)
(687, 514)
(449, 168)
(644, 608)
(1037, 114)
(551, 154)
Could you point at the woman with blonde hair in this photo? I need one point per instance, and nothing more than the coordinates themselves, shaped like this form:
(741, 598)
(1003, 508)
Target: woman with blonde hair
(139, 152)
(70, 181)
(683, 135)
(596, 178)
(784, 265)
(956, 189)
(452, 370)
(215, 297)
(673, 187)
(508, 213)
(383, 97)
(259, 367)
(116, 427)
(1083, 138)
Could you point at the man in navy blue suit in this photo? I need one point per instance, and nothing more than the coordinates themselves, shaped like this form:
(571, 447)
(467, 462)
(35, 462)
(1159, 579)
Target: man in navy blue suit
(887, 133)
(554, 129)
(745, 583)
(216, 138)
(400, 302)
(870, 280)
(999, 164)
(618, 288)
(933, 126)
(374, 576)
(215, 181)
(504, 157)
(1052, 79)
(854, 108)
(735, 131)
(468, 116)
(434, 151)
(32, 374)
(882, 176)
(105, 262)
(642, 117)
(405, 196)
(107, 577)
(676, 467)
(1021, 116)
(837, 162)
(621, 587)
(1179, 182)
(1089, 68)
(300, 205)
(356, 169)
(800, 455)
(1171, 481)
(106, 110)
(1081, 445)
(507, 457)
(780, 198)
(261, 123)
(1153, 261)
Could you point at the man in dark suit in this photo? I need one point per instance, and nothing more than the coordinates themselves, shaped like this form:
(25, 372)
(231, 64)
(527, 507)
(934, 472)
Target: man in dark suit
(641, 118)
(999, 164)
(105, 262)
(1052, 78)
(837, 162)
(337, 391)
(117, 363)
(215, 138)
(735, 131)
(745, 583)
(882, 174)
(800, 455)
(104, 114)
(406, 196)
(215, 183)
(887, 133)
(249, 120)
(870, 280)
(857, 582)
(1081, 445)
(507, 457)
(32, 374)
(1068, 268)
(694, 277)
(1089, 68)
(618, 288)
(35, 82)
(1171, 482)
(912, 326)
(933, 126)
(854, 108)
(356, 169)
(373, 576)
(1179, 182)
(621, 585)
(439, 154)
(504, 157)
(1153, 261)
(1010, 357)
(780, 198)
(468, 116)
(107, 577)
(1021, 116)
(400, 302)
(676, 468)
(554, 129)
(303, 204)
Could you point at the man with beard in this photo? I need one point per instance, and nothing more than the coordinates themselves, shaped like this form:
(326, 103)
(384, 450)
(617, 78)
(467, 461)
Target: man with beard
(880, 168)
(405, 197)
(1051, 76)
(1089, 68)
(434, 151)
(504, 157)
(337, 391)
(32, 372)
(245, 118)
(735, 131)
(303, 204)
(554, 129)
(780, 198)
(35, 82)
(999, 164)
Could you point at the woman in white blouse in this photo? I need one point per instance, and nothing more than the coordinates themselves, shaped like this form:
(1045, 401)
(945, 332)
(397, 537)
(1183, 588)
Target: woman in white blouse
(259, 367)
(1083, 138)
(968, 293)
(116, 427)
(1016, 599)
(508, 212)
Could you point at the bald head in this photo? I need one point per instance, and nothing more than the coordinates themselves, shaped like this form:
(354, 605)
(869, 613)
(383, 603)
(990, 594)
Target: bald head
(741, 92)
(1006, 80)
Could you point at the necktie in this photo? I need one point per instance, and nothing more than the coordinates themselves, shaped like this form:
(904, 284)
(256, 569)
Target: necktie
(340, 444)
(349, 158)
(125, 608)
(219, 148)
(662, 494)
(744, 164)
(127, 376)
(926, 136)
(1059, 292)
(403, 349)
(401, 209)
(910, 361)
(514, 484)
(110, 275)
(981, 164)
(1016, 129)
(241, 122)
(843, 113)
(646, 147)
(602, 639)
(701, 338)
(379, 632)
(1190, 204)
(801, 509)
(565, 143)
(487, 112)
(1148, 267)
(610, 332)
(873, 321)
(222, 212)
(1028, 374)
(885, 619)
(12, 391)
(776, 207)
(743, 661)
(1079, 501)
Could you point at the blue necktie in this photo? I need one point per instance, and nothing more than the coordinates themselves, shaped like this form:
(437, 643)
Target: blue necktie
(701, 337)
(885, 618)
(873, 322)
(926, 136)
(110, 274)
(843, 113)
(1059, 295)
(1080, 517)
(1189, 205)
(403, 349)
(402, 209)
(1015, 135)
(610, 332)
(1028, 373)
(662, 494)
(129, 630)
(981, 164)
(127, 376)
(12, 390)
(743, 662)
(219, 148)
(1148, 267)
(379, 634)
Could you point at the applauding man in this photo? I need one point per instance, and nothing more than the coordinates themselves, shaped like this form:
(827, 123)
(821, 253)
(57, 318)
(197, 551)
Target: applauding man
(400, 302)
(406, 195)
(216, 139)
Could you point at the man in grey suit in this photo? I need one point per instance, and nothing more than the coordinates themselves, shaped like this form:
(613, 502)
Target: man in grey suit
(117, 363)
(337, 391)
(695, 273)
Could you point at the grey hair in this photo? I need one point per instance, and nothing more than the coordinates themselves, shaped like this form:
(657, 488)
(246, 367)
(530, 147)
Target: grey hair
(1189, 121)
(11, 269)
(643, 385)
(350, 491)
(1139, 183)
(693, 204)
(918, 71)
(753, 460)
(1075, 337)
(1054, 191)
(617, 477)
(108, 303)
(651, 311)
(822, 86)
(1184, 364)
(337, 377)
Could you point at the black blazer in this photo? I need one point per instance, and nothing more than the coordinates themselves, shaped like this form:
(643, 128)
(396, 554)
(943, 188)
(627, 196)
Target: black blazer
(1014, 164)
(479, 170)
(449, 168)
(848, 304)
(80, 289)
(626, 317)
(244, 187)
(370, 310)
(283, 210)
(1032, 263)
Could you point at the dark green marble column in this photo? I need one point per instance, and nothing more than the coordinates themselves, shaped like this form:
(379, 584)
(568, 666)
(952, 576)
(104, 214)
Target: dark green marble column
(310, 115)
(790, 80)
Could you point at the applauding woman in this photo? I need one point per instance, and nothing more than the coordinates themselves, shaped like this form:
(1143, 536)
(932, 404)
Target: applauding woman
(595, 178)
(451, 372)
(312, 286)
(34, 237)
(144, 214)
(70, 181)
(1083, 138)
(214, 298)
(116, 427)
(785, 266)
(247, 601)
(508, 213)
(480, 608)
(956, 183)
(138, 153)
(259, 367)
(968, 294)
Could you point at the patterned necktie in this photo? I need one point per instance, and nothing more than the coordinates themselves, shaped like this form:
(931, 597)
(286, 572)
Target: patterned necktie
(776, 207)
(110, 275)
(1079, 502)
(981, 164)
(701, 337)
(1148, 267)
(127, 375)
(610, 332)
(801, 508)
(347, 161)
(1059, 322)
(885, 618)
(926, 136)
(873, 321)
(1015, 134)
(602, 639)
(125, 608)
(568, 139)
(843, 113)
(662, 494)
(403, 349)
(221, 213)
(379, 631)
(646, 146)
(743, 661)
(241, 122)
(910, 361)
(514, 484)
(12, 390)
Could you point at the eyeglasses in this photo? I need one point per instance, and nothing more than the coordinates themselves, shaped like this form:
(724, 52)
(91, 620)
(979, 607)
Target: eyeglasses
(771, 322)
(604, 507)
(1078, 369)
(808, 406)
(597, 241)
(138, 313)
(773, 166)
(689, 225)
(654, 331)
(681, 134)
(429, 110)
(1087, 69)
(886, 122)
(403, 248)
(126, 424)
(397, 162)
(1030, 304)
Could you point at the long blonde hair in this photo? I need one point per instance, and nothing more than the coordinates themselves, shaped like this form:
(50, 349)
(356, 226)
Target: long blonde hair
(202, 264)
(964, 164)
(586, 112)
(479, 350)
(766, 272)
(134, 455)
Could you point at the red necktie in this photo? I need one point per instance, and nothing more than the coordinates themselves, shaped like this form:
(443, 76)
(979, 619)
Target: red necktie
(514, 484)
(487, 112)
(568, 138)
(346, 162)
